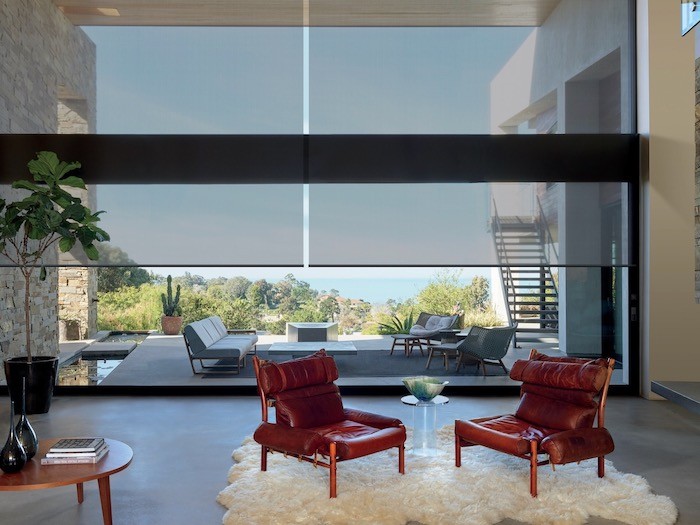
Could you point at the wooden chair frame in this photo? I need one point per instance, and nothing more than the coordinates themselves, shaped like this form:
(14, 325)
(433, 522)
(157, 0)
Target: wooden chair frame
(532, 455)
(330, 462)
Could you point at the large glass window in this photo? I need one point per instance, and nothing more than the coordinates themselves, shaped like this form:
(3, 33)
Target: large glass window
(345, 172)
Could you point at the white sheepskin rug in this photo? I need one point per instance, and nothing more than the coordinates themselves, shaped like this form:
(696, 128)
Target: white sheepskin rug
(488, 488)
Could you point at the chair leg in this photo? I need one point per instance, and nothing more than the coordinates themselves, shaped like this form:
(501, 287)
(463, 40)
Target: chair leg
(393, 345)
(402, 455)
(333, 469)
(504, 366)
(458, 452)
(263, 459)
(533, 469)
(483, 368)
(430, 357)
(601, 466)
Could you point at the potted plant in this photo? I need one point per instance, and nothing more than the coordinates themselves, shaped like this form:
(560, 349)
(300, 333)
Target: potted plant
(46, 215)
(171, 321)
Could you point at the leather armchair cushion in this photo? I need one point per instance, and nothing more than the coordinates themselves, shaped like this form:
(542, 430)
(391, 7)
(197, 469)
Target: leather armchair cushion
(309, 407)
(601, 361)
(354, 440)
(372, 420)
(292, 440)
(504, 433)
(316, 369)
(553, 413)
(589, 377)
(577, 445)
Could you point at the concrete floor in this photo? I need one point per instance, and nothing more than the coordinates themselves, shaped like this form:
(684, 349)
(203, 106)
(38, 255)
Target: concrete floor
(182, 452)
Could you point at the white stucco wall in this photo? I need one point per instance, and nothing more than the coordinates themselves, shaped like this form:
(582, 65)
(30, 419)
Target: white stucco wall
(577, 34)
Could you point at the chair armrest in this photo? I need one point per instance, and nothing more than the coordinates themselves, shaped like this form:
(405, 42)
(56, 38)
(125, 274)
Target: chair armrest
(242, 331)
(288, 439)
(577, 445)
(371, 420)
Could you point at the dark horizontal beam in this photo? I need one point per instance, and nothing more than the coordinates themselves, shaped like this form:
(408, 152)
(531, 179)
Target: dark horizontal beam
(260, 159)
(163, 159)
(473, 158)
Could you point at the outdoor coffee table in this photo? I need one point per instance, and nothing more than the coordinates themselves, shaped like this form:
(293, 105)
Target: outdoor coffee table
(35, 476)
(425, 424)
(308, 348)
(407, 342)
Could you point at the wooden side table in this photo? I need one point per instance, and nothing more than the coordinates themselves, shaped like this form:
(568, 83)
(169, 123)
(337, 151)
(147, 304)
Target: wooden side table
(407, 342)
(35, 476)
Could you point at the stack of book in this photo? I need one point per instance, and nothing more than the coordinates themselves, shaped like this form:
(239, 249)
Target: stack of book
(71, 451)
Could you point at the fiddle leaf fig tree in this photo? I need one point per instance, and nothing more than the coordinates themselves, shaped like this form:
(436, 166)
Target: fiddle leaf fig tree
(48, 214)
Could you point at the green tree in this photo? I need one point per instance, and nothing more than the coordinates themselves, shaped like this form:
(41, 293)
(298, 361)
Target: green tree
(442, 293)
(121, 270)
(259, 294)
(237, 287)
(329, 308)
(478, 294)
(130, 308)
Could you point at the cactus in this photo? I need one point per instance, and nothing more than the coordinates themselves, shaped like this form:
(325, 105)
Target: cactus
(171, 307)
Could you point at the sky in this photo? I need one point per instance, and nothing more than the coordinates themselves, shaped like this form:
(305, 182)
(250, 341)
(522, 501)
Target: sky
(194, 80)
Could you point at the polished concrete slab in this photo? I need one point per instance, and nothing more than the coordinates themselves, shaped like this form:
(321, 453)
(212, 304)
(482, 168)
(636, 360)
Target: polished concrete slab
(182, 452)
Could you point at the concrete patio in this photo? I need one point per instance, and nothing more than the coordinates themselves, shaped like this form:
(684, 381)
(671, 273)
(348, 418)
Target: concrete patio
(161, 361)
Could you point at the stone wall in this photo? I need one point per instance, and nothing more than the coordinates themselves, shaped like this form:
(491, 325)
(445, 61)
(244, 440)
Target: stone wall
(47, 67)
(77, 306)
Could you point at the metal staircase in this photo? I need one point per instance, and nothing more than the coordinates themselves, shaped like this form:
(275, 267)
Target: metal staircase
(523, 245)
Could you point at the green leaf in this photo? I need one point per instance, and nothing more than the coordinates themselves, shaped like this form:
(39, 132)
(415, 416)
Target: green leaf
(66, 167)
(25, 185)
(91, 252)
(73, 182)
(66, 243)
(42, 273)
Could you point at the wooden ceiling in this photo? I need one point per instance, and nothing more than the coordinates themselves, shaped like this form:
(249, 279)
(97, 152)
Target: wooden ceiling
(343, 13)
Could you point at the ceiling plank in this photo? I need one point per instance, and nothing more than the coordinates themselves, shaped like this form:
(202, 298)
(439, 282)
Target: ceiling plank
(326, 13)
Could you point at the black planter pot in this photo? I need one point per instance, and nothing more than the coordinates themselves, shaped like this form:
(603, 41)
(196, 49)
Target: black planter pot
(40, 375)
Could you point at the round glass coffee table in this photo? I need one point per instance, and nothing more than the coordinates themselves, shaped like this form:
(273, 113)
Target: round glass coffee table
(425, 424)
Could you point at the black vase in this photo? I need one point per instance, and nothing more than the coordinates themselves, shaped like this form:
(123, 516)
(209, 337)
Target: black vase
(25, 432)
(12, 456)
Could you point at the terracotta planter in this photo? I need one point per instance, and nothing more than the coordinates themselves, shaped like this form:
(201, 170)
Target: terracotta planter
(41, 378)
(171, 324)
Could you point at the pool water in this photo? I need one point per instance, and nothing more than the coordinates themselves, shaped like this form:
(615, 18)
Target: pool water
(125, 337)
(87, 371)
(90, 370)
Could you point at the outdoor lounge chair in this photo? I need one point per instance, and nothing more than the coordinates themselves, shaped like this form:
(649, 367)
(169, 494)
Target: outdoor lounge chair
(311, 423)
(485, 346)
(559, 400)
(428, 326)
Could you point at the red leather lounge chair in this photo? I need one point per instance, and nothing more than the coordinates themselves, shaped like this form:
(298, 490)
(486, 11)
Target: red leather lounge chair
(559, 401)
(311, 422)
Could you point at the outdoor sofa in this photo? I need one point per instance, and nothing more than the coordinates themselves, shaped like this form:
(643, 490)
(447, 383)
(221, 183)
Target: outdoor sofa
(209, 340)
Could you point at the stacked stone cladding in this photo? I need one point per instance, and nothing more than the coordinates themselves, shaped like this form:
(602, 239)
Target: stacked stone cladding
(47, 69)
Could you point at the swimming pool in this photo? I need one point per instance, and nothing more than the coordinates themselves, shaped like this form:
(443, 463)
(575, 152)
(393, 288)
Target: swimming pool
(90, 366)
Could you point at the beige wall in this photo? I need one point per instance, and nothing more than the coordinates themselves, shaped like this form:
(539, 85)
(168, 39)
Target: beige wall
(666, 91)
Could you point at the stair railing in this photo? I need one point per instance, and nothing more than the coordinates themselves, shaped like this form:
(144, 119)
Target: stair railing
(502, 254)
(546, 234)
